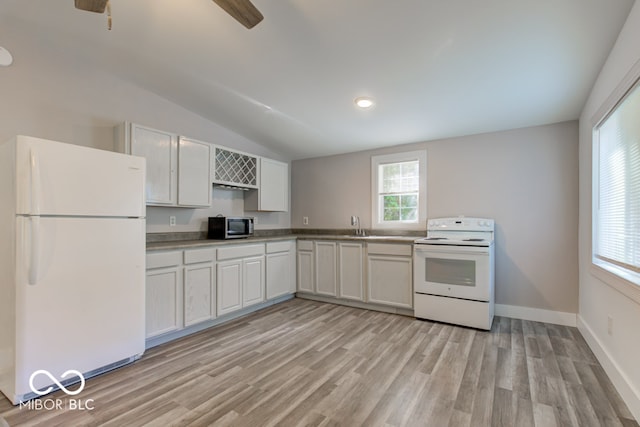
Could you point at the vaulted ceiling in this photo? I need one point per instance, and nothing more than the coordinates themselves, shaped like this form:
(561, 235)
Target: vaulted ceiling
(435, 68)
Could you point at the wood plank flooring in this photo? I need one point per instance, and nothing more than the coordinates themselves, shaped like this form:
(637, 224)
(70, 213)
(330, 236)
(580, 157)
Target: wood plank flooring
(314, 364)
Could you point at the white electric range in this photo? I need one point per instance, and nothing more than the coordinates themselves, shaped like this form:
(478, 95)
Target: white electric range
(453, 275)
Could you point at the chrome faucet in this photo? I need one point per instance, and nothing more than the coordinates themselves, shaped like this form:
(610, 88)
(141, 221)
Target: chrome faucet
(355, 221)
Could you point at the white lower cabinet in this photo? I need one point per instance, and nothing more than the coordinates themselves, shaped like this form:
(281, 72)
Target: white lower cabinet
(190, 287)
(229, 277)
(377, 273)
(253, 281)
(305, 276)
(351, 271)
(163, 293)
(280, 268)
(240, 277)
(390, 275)
(326, 268)
(199, 286)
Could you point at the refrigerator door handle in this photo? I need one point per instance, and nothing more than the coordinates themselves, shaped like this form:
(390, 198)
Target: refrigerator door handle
(34, 259)
(35, 183)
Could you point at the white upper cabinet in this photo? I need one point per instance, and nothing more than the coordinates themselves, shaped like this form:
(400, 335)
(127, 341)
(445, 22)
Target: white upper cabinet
(273, 192)
(178, 171)
(161, 151)
(194, 177)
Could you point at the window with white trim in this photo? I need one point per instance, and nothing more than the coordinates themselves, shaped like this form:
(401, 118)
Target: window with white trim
(399, 190)
(616, 189)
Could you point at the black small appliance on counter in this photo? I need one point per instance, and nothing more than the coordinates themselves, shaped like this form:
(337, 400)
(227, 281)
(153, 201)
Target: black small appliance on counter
(226, 227)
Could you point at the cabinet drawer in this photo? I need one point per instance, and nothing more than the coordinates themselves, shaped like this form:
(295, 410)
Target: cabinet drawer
(240, 251)
(163, 259)
(199, 255)
(389, 249)
(305, 245)
(273, 247)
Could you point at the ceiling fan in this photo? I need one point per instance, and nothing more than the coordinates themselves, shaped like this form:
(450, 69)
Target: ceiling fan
(242, 11)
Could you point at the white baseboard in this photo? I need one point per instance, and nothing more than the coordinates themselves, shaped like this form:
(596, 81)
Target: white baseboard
(536, 314)
(627, 391)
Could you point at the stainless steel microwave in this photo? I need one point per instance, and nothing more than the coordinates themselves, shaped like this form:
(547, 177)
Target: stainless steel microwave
(227, 227)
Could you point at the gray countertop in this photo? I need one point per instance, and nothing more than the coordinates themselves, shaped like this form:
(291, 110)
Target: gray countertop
(200, 243)
(190, 244)
(370, 239)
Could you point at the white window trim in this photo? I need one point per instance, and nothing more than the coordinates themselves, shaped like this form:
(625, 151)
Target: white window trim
(421, 157)
(622, 280)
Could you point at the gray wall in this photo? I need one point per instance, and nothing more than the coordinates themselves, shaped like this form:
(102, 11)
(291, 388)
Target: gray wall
(50, 93)
(526, 179)
(618, 351)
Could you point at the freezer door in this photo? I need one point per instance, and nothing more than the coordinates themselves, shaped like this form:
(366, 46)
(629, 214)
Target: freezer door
(63, 179)
(80, 295)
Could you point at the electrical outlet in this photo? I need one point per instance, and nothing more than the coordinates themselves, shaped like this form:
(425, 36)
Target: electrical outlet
(172, 221)
(610, 325)
(305, 220)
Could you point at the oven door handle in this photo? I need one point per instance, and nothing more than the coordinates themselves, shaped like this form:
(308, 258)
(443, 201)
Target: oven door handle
(459, 250)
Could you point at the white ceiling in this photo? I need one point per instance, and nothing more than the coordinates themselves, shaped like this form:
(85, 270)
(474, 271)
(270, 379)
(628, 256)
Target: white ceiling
(437, 68)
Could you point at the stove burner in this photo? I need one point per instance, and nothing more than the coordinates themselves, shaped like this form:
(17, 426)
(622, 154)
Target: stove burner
(473, 240)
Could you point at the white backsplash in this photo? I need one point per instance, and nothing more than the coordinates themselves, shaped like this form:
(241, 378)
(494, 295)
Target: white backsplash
(223, 202)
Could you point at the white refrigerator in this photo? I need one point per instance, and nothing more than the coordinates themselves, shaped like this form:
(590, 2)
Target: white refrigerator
(72, 262)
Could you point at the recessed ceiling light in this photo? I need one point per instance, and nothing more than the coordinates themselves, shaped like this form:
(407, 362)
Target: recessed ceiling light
(364, 102)
(5, 57)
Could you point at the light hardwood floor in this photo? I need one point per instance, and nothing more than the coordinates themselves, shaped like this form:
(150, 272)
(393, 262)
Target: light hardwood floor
(315, 364)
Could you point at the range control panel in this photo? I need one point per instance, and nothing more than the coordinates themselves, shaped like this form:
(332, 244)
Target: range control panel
(461, 224)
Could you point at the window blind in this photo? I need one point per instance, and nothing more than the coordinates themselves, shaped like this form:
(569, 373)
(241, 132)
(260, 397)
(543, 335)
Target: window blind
(617, 222)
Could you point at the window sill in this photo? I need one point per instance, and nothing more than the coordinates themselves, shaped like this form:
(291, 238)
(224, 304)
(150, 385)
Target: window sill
(623, 281)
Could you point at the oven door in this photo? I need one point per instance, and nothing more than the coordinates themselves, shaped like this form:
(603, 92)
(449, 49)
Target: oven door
(453, 271)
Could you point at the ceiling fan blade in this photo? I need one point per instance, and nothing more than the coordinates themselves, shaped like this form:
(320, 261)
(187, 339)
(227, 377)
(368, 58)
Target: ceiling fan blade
(242, 11)
(97, 6)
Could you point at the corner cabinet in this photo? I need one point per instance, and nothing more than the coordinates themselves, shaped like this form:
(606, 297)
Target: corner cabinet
(273, 189)
(177, 168)
(331, 268)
